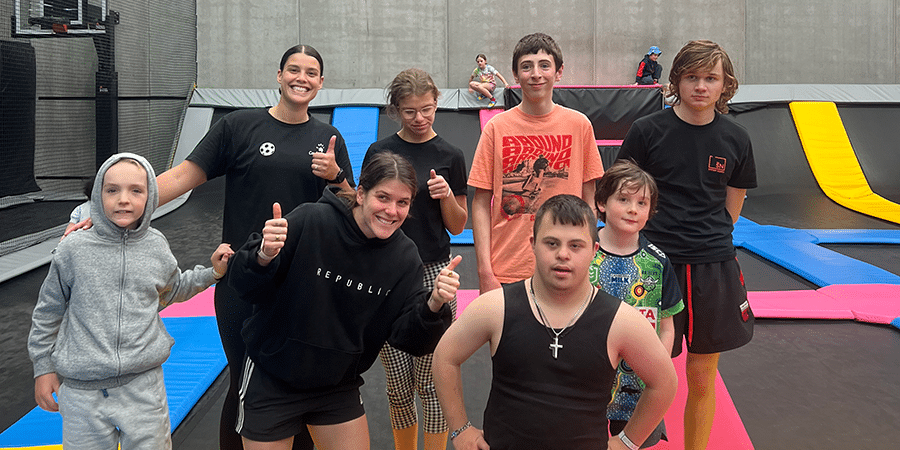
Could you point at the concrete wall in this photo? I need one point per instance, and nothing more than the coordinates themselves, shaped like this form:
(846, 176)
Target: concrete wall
(366, 42)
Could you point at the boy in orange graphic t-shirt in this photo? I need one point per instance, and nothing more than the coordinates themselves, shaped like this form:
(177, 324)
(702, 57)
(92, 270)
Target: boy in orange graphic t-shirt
(526, 155)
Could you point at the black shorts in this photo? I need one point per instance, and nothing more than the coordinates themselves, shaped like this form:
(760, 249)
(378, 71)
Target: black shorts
(716, 315)
(271, 410)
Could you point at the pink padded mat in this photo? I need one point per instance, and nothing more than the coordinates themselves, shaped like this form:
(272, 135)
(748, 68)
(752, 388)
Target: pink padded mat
(198, 306)
(873, 303)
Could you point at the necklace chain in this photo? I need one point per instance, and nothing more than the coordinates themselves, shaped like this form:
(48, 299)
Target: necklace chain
(555, 335)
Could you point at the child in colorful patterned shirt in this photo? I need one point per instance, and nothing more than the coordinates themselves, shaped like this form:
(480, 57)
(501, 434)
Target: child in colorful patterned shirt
(630, 267)
(483, 80)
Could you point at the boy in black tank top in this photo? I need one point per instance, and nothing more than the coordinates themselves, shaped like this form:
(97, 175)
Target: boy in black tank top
(569, 338)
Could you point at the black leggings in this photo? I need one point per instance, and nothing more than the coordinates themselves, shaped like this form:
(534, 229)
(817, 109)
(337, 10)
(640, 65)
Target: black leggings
(230, 315)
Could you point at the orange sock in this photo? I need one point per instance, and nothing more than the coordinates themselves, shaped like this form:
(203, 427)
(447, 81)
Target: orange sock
(436, 441)
(407, 438)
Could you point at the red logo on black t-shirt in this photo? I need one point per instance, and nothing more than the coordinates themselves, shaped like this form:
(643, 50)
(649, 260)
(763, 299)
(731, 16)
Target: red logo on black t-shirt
(716, 164)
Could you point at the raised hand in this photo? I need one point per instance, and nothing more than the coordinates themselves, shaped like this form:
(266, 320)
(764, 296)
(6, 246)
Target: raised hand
(438, 187)
(274, 233)
(219, 259)
(447, 283)
(323, 164)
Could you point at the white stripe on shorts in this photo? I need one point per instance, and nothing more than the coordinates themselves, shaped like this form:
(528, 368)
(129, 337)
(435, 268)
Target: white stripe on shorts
(245, 380)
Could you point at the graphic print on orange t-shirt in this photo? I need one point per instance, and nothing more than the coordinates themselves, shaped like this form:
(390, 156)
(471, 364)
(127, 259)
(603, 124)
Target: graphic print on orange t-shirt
(531, 164)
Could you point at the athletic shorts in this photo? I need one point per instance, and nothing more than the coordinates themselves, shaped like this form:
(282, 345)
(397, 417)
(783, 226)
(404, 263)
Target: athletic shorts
(491, 84)
(716, 315)
(271, 410)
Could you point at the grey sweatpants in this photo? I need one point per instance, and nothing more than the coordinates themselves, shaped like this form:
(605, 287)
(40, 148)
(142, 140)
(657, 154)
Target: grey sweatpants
(135, 415)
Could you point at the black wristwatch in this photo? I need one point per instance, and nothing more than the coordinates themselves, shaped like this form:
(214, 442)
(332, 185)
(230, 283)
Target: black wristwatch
(339, 177)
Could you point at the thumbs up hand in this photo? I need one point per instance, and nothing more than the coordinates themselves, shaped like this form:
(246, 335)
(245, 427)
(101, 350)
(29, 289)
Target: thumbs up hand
(438, 187)
(274, 233)
(445, 285)
(323, 164)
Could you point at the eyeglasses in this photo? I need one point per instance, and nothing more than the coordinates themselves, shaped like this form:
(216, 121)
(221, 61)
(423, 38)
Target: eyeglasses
(410, 114)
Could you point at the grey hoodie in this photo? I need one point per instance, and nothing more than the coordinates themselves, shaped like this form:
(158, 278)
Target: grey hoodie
(96, 322)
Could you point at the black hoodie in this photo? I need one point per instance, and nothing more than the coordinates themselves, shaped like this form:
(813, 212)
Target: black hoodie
(327, 303)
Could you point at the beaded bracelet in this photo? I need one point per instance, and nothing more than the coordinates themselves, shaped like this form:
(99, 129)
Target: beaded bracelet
(456, 432)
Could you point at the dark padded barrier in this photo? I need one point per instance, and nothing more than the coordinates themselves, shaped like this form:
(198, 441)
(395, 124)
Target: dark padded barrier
(611, 110)
(608, 154)
(17, 114)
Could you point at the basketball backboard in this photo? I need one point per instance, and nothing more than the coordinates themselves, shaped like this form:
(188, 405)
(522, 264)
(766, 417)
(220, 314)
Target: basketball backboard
(59, 18)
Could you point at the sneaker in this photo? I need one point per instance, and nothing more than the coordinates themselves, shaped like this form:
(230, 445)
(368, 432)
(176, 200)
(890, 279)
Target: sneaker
(492, 103)
(480, 97)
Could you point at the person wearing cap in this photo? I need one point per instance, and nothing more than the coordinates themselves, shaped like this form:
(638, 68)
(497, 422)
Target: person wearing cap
(649, 71)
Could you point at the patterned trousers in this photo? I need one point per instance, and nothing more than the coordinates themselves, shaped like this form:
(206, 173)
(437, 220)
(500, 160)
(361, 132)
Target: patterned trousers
(406, 375)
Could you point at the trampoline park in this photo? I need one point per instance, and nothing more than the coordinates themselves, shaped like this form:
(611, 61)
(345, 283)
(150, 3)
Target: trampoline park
(818, 240)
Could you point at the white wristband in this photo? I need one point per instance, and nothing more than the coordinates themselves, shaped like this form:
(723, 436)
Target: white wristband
(627, 442)
(262, 255)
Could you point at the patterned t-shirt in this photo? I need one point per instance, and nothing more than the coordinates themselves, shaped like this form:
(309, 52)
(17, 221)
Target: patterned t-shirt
(485, 75)
(644, 279)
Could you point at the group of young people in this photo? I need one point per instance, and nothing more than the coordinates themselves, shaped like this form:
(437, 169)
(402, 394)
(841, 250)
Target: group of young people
(581, 323)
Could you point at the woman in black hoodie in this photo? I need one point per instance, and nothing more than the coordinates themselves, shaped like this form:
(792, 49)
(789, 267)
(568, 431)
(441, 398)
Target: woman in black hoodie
(332, 281)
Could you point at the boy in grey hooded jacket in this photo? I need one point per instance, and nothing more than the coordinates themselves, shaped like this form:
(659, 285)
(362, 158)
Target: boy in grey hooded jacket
(96, 339)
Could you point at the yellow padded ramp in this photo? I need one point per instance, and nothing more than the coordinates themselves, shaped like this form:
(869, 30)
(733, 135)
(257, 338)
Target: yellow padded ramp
(833, 161)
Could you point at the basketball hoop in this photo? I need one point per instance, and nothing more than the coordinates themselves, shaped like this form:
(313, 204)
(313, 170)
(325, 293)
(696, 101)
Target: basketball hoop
(61, 18)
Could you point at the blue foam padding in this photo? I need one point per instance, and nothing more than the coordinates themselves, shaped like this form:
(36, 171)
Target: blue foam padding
(799, 252)
(464, 238)
(819, 264)
(359, 127)
(36, 428)
(896, 323)
(747, 230)
(856, 236)
(196, 360)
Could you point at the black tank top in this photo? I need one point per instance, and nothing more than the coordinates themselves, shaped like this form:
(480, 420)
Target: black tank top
(537, 402)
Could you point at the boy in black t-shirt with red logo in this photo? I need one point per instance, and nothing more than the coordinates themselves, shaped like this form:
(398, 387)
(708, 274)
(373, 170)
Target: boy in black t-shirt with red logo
(701, 193)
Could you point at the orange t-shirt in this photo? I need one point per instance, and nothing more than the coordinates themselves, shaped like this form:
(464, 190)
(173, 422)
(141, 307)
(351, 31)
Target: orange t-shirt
(524, 160)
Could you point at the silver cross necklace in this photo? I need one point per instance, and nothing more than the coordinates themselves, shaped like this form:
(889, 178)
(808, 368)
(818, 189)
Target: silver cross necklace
(555, 335)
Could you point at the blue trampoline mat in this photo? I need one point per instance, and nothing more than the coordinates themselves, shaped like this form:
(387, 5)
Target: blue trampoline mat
(196, 360)
(799, 251)
(359, 127)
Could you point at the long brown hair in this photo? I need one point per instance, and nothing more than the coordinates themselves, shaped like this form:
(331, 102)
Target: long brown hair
(702, 55)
